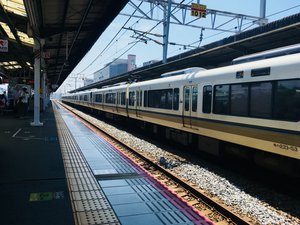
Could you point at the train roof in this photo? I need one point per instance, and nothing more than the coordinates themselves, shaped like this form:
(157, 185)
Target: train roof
(217, 72)
(183, 71)
(231, 69)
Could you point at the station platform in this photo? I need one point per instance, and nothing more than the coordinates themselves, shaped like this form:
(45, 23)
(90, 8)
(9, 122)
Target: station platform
(33, 186)
(66, 173)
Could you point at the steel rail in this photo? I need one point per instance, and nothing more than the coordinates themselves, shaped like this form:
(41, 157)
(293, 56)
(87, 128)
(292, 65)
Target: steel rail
(188, 191)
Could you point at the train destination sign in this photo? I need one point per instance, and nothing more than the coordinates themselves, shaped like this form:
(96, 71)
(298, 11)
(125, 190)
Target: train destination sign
(198, 10)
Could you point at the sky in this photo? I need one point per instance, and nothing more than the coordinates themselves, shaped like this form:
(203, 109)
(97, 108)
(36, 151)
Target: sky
(116, 42)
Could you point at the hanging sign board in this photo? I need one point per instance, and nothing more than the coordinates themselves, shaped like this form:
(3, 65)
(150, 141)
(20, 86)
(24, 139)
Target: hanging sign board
(198, 10)
(3, 45)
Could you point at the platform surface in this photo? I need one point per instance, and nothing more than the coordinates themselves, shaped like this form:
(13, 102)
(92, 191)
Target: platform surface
(65, 171)
(134, 195)
(33, 187)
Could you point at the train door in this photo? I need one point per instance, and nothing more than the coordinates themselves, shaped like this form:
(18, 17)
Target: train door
(91, 98)
(138, 105)
(190, 101)
(102, 100)
(117, 101)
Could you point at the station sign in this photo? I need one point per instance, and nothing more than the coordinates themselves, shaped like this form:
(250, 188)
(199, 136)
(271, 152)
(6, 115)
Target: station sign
(3, 45)
(198, 10)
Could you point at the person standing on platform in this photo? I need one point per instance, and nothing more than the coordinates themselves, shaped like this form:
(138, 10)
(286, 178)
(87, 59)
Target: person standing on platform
(24, 100)
(2, 103)
(16, 98)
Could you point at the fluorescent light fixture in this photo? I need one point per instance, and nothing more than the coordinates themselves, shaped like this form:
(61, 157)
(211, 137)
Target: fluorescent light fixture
(14, 6)
(23, 37)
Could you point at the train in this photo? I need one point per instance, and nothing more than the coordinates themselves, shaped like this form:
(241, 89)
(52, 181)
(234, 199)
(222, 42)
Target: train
(253, 107)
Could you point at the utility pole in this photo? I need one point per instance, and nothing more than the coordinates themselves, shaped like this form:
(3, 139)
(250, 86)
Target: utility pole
(170, 9)
(262, 13)
(167, 15)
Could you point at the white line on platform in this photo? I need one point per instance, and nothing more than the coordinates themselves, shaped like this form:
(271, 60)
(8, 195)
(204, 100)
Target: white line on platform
(17, 132)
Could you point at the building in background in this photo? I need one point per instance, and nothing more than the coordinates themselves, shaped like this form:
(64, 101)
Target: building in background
(87, 81)
(116, 68)
(131, 62)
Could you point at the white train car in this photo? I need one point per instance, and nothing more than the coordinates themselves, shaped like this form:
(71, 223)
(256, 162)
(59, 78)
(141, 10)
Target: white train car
(254, 104)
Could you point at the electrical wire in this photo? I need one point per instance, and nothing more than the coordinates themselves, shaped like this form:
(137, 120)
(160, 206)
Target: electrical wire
(144, 33)
(285, 10)
(110, 41)
(251, 24)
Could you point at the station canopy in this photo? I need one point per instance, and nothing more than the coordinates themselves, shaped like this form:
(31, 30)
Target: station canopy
(68, 29)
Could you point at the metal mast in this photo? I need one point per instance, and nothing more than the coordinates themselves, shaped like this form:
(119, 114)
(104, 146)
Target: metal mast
(262, 13)
(176, 13)
(167, 15)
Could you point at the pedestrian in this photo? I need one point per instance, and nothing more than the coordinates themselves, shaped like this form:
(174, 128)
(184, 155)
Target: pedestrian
(16, 98)
(2, 103)
(23, 101)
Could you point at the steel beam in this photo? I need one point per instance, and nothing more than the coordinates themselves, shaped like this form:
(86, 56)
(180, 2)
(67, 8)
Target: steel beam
(241, 19)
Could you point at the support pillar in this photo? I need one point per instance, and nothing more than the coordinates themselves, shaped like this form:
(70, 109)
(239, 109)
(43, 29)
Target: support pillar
(262, 13)
(44, 93)
(37, 78)
(167, 15)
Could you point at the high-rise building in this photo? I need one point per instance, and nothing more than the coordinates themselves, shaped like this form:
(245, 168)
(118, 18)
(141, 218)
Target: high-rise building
(131, 62)
(116, 68)
(119, 66)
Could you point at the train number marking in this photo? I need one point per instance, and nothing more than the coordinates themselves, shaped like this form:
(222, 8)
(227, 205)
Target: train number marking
(286, 147)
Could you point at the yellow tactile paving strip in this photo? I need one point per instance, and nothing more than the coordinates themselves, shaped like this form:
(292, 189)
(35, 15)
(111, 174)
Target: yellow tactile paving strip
(90, 206)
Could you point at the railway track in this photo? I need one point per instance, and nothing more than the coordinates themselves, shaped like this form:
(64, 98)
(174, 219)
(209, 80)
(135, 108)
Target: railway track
(206, 204)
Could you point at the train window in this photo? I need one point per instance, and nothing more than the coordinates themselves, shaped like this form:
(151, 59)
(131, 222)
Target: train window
(169, 98)
(153, 99)
(261, 99)
(207, 91)
(145, 98)
(118, 98)
(137, 98)
(239, 99)
(160, 98)
(131, 98)
(194, 99)
(98, 98)
(85, 98)
(221, 99)
(110, 98)
(260, 72)
(123, 98)
(176, 99)
(186, 98)
(287, 100)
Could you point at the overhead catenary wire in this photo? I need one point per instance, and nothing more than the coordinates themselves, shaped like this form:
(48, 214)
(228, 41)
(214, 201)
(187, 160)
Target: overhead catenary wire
(251, 24)
(110, 41)
(109, 44)
(142, 33)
